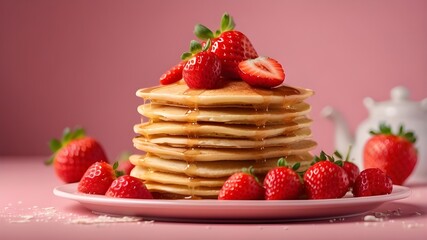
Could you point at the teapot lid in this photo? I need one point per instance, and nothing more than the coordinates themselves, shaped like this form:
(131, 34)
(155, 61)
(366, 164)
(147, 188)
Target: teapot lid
(399, 105)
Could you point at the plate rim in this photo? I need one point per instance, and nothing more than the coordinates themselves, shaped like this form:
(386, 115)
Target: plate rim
(63, 191)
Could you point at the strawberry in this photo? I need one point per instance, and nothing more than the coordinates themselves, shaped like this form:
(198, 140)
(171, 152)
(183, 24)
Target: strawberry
(128, 187)
(261, 72)
(203, 69)
(74, 154)
(350, 168)
(283, 182)
(124, 163)
(372, 181)
(242, 186)
(229, 45)
(98, 178)
(325, 178)
(394, 154)
(173, 75)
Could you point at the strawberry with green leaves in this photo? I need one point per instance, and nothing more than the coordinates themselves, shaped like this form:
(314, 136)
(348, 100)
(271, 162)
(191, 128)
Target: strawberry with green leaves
(98, 178)
(283, 182)
(394, 154)
(242, 186)
(350, 168)
(229, 45)
(74, 153)
(128, 187)
(325, 178)
(371, 182)
(203, 68)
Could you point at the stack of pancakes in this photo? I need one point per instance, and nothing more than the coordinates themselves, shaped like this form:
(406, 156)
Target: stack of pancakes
(195, 139)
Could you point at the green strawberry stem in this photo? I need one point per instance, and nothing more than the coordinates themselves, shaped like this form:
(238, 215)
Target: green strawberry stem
(118, 173)
(326, 157)
(204, 33)
(385, 129)
(195, 47)
(283, 163)
(67, 136)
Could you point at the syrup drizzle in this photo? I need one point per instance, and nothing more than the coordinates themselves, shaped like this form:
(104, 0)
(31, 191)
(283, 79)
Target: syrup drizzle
(192, 100)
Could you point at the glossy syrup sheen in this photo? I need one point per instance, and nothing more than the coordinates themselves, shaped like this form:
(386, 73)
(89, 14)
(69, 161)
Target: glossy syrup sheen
(192, 101)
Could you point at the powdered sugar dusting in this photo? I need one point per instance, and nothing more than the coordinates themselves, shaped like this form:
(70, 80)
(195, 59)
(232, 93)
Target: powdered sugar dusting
(18, 214)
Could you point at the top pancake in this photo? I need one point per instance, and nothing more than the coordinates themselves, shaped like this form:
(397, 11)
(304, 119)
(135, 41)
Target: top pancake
(235, 93)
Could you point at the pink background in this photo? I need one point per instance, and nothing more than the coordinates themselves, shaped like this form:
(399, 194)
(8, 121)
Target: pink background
(67, 63)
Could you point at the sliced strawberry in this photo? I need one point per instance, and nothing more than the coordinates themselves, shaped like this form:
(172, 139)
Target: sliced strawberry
(173, 75)
(262, 72)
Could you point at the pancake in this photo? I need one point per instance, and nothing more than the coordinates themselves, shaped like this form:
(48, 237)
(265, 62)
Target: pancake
(235, 93)
(217, 154)
(160, 190)
(216, 169)
(223, 115)
(206, 142)
(173, 178)
(152, 129)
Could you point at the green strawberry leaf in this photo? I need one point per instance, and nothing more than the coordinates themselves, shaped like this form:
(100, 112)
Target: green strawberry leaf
(202, 32)
(55, 145)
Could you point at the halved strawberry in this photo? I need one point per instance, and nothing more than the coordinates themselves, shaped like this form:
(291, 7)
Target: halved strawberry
(261, 72)
(173, 75)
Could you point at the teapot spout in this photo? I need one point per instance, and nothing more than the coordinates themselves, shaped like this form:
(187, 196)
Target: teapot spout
(343, 136)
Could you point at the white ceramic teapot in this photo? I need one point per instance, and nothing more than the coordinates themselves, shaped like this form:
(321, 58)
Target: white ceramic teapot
(399, 110)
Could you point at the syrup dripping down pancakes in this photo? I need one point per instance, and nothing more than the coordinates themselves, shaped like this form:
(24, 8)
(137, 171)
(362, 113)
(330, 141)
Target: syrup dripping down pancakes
(192, 140)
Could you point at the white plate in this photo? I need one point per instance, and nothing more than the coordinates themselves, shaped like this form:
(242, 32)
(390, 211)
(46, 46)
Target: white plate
(226, 211)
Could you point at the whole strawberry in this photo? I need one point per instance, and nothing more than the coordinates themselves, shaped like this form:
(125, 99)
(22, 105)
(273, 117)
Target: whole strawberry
(283, 182)
(350, 168)
(98, 178)
(203, 68)
(173, 75)
(394, 154)
(372, 181)
(241, 186)
(229, 45)
(74, 153)
(325, 179)
(128, 187)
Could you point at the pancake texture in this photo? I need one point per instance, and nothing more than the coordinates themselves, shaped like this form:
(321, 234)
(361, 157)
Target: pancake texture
(191, 141)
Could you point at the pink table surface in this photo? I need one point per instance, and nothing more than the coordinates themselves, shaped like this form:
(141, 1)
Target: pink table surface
(29, 210)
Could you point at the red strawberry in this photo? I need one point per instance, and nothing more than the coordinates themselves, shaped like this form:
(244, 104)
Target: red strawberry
(261, 72)
(282, 182)
(124, 163)
(128, 187)
(203, 69)
(229, 45)
(352, 171)
(74, 154)
(241, 186)
(394, 154)
(98, 178)
(350, 168)
(325, 179)
(372, 181)
(173, 75)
